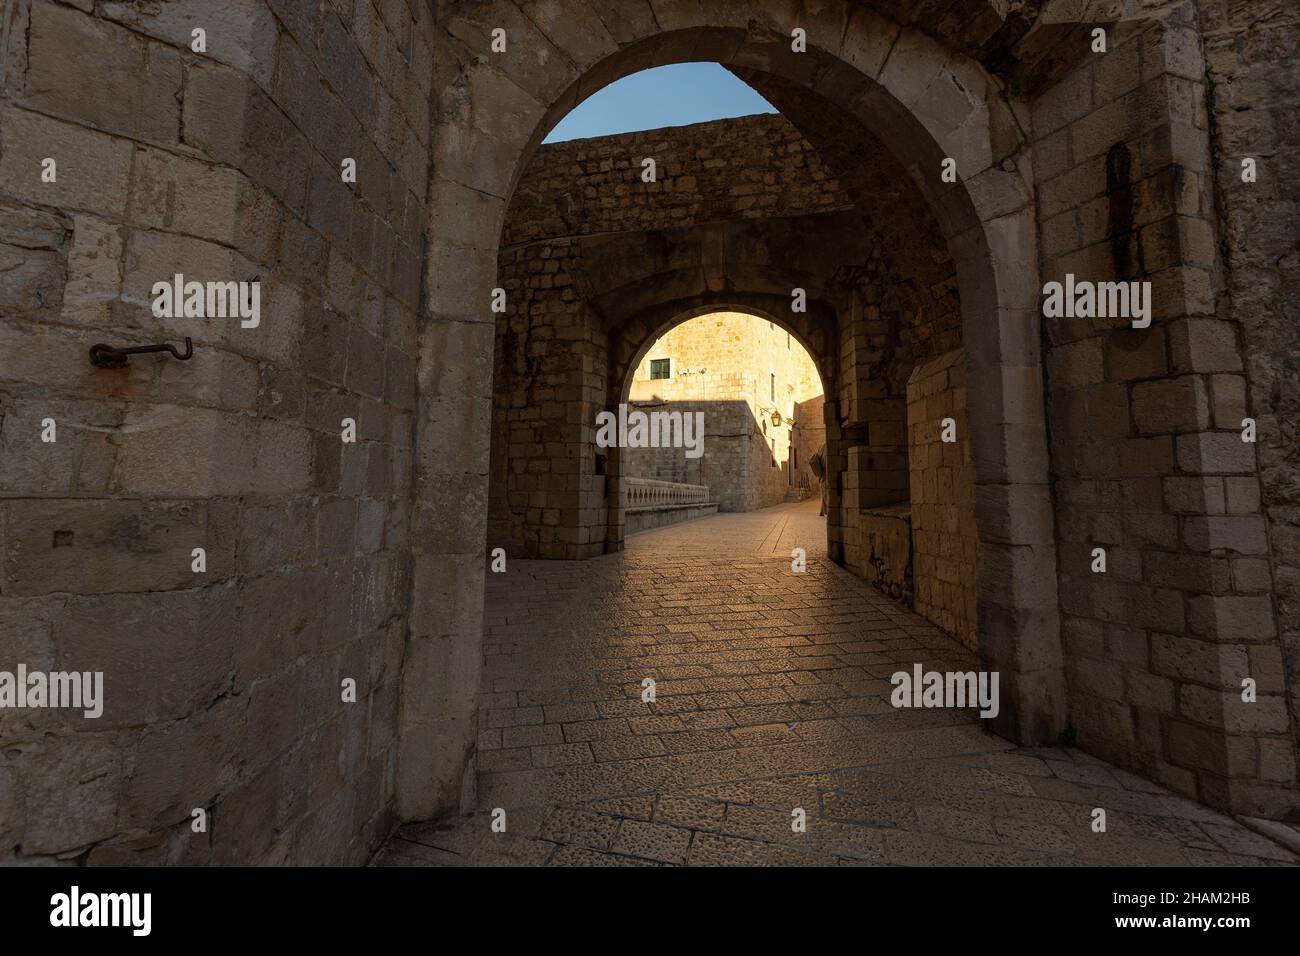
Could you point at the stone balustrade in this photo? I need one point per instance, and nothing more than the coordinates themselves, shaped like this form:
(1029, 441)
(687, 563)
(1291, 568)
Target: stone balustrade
(649, 503)
(643, 493)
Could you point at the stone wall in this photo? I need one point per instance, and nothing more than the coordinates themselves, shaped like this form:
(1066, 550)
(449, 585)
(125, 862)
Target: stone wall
(1147, 451)
(945, 536)
(879, 347)
(553, 343)
(732, 441)
(1252, 56)
(751, 167)
(222, 687)
(550, 380)
(809, 439)
(886, 534)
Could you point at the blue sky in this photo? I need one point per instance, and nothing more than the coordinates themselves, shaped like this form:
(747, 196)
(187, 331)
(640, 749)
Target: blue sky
(673, 95)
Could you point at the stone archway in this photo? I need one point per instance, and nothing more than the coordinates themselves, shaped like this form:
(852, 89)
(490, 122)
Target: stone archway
(925, 102)
(313, 541)
(551, 493)
(633, 338)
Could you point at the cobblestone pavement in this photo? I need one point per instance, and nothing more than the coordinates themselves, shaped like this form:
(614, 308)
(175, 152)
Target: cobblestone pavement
(772, 695)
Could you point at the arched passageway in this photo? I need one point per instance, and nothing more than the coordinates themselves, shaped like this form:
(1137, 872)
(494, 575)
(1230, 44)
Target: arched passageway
(332, 459)
(303, 506)
(974, 235)
(961, 255)
(587, 299)
(758, 399)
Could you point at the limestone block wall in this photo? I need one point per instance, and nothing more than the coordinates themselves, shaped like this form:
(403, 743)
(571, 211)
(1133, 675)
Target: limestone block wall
(887, 550)
(1252, 56)
(1147, 454)
(846, 532)
(223, 686)
(744, 168)
(945, 536)
(550, 381)
(769, 457)
(809, 438)
(730, 433)
(876, 355)
(879, 346)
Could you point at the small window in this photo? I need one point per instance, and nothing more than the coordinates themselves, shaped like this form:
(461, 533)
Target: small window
(660, 368)
(773, 377)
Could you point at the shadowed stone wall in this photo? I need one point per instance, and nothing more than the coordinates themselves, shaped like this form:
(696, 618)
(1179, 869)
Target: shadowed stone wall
(223, 689)
(1252, 59)
(551, 361)
(752, 167)
(945, 536)
(1146, 426)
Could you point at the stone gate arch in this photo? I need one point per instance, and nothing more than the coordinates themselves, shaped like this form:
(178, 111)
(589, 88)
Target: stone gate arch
(925, 102)
(632, 339)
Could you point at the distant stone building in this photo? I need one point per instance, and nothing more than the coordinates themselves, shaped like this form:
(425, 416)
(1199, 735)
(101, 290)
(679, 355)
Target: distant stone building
(761, 398)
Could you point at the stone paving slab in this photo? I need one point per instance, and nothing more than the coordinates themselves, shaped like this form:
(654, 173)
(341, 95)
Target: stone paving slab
(771, 700)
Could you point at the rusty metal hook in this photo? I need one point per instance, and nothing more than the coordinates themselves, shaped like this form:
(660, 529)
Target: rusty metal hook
(109, 356)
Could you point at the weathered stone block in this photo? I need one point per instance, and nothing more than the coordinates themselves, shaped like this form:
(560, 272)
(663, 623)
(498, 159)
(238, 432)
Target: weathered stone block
(230, 119)
(70, 787)
(178, 194)
(1172, 405)
(84, 68)
(1226, 710)
(1204, 345)
(93, 169)
(1215, 452)
(1196, 496)
(1244, 535)
(183, 764)
(95, 547)
(1231, 617)
(161, 653)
